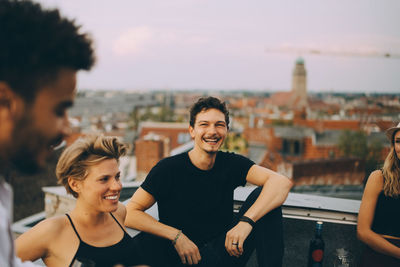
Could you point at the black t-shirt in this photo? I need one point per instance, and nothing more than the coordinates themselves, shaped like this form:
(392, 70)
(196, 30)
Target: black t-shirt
(198, 202)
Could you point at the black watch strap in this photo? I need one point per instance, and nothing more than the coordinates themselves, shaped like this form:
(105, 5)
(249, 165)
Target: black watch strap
(248, 220)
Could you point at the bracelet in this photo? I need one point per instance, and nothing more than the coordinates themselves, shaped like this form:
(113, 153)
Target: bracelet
(176, 237)
(248, 220)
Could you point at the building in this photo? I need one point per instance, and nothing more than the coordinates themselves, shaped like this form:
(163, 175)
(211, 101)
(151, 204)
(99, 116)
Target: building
(298, 98)
(149, 150)
(176, 133)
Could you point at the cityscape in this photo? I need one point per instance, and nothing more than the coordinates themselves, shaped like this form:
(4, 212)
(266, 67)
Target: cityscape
(285, 131)
(327, 143)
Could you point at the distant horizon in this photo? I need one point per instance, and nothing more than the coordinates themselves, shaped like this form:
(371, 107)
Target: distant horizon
(218, 90)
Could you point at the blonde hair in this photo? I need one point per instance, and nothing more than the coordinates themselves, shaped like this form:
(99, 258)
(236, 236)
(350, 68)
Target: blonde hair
(391, 173)
(76, 159)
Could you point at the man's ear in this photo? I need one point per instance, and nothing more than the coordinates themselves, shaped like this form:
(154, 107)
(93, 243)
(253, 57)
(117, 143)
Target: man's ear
(9, 105)
(191, 131)
(74, 184)
(10, 102)
(5, 95)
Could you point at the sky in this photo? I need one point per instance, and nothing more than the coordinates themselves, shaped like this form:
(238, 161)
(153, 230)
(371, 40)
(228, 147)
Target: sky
(239, 45)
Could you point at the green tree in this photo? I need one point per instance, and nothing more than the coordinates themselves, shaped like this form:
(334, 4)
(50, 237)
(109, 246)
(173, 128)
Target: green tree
(134, 118)
(235, 142)
(166, 114)
(374, 156)
(281, 123)
(355, 144)
(148, 115)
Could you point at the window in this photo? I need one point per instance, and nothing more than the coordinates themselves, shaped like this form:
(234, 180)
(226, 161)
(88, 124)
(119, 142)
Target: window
(183, 138)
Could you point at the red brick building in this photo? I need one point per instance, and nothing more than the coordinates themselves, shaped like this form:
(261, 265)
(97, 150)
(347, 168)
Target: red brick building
(177, 133)
(306, 155)
(156, 141)
(342, 171)
(149, 150)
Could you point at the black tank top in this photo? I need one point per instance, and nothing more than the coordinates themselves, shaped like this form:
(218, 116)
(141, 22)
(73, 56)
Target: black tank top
(88, 255)
(387, 216)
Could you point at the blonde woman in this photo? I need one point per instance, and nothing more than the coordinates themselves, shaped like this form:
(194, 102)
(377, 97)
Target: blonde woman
(93, 232)
(379, 216)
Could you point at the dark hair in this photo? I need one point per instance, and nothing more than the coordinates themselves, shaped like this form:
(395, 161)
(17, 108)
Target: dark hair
(206, 103)
(35, 44)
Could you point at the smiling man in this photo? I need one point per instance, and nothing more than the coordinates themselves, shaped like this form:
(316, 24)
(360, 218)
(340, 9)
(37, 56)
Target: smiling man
(40, 54)
(194, 193)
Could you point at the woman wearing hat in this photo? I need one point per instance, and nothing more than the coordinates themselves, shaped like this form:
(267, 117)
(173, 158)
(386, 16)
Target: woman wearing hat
(379, 216)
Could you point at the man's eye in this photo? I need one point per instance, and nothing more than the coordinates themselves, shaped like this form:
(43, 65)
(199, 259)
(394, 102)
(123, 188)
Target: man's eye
(60, 112)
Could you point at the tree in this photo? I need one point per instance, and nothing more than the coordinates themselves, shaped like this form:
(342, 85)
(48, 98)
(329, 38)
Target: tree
(235, 142)
(165, 114)
(134, 118)
(355, 144)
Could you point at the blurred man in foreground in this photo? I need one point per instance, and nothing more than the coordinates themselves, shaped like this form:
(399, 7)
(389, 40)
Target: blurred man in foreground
(40, 54)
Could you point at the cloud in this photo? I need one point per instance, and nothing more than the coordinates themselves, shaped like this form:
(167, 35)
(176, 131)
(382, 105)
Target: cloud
(133, 41)
(150, 41)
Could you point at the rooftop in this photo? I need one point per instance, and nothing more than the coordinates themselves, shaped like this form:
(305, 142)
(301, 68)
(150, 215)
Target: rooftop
(300, 211)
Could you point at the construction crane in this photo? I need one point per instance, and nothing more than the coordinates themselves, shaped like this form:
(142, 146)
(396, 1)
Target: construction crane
(332, 52)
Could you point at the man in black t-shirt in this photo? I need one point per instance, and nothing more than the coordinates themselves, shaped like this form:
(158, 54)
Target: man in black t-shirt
(194, 193)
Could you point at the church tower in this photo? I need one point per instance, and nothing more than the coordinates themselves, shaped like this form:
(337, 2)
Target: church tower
(299, 85)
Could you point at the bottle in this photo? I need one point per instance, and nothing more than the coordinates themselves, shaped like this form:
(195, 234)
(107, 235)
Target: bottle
(316, 250)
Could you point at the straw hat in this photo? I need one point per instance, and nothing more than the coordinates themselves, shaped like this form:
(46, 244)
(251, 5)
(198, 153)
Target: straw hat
(390, 131)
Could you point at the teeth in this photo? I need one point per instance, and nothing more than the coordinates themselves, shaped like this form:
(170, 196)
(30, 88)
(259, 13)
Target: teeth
(111, 197)
(211, 140)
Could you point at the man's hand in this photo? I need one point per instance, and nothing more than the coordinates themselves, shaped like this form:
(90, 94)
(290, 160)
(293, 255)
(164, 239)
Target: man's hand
(235, 238)
(187, 250)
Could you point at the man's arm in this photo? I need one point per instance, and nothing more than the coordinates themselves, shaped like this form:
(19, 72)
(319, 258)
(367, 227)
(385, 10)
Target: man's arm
(275, 190)
(137, 218)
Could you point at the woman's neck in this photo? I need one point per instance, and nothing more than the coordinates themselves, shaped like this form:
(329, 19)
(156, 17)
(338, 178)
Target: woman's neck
(88, 215)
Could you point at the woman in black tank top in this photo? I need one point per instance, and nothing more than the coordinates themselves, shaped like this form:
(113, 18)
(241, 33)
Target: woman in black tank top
(379, 216)
(92, 234)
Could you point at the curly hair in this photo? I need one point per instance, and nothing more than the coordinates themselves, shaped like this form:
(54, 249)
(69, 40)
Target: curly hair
(391, 173)
(36, 43)
(206, 103)
(76, 159)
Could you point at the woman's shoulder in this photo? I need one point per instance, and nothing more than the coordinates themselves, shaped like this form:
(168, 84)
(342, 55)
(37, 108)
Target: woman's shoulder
(53, 225)
(375, 181)
(120, 213)
(376, 176)
(45, 231)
